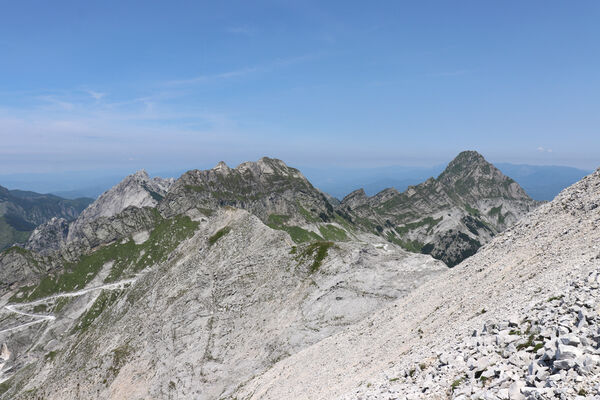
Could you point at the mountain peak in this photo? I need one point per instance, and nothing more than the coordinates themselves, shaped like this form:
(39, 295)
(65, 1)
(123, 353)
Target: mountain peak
(269, 166)
(465, 162)
(356, 198)
(221, 167)
(142, 174)
(136, 190)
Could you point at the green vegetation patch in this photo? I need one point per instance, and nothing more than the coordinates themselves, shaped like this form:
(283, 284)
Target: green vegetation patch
(410, 245)
(277, 219)
(51, 355)
(7, 384)
(194, 188)
(307, 215)
(104, 300)
(220, 233)
(298, 235)
(456, 383)
(430, 222)
(471, 210)
(317, 252)
(332, 232)
(164, 238)
(120, 356)
(497, 211)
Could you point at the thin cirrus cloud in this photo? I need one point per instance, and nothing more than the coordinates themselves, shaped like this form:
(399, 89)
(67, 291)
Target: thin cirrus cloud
(246, 71)
(544, 150)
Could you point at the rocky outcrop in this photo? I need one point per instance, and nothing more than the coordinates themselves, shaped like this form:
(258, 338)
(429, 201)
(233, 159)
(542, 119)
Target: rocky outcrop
(449, 217)
(267, 186)
(20, 267)
(137, 190)
(104, 230)
(355, 199)
(49, 236)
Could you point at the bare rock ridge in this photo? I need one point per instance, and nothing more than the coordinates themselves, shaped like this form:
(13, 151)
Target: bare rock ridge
(519, 319)
(137, 190)
(449, 217)
(267, 186)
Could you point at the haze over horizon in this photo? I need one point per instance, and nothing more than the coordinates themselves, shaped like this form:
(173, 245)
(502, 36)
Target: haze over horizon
(131, 85)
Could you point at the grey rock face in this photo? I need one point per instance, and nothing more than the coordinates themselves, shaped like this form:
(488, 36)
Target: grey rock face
(20, 267)
(449, 217)
(102, 230)
(267, 186)
(137, 190)
(49, 236)
(216, 313)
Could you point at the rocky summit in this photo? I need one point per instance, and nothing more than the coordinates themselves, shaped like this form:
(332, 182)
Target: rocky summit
(249, 282)
(449, 217)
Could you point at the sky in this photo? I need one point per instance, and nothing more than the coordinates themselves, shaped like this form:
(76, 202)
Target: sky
(123, 85)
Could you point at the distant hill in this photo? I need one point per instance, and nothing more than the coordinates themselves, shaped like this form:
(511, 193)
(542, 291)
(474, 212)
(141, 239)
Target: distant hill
(21, 211)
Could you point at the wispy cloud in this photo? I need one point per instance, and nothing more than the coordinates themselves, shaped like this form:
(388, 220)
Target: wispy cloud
(544, 150)
(52, 100)
(96, 95)
(241, 72)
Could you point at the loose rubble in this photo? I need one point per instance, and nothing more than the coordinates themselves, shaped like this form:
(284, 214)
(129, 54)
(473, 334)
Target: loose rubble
(551, 351)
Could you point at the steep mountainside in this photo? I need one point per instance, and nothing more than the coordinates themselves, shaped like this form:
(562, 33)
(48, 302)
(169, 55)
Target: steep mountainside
(137, 190)
(277, 194)
(21, 212)
(449, 217)
(519, 318)
(195, 315)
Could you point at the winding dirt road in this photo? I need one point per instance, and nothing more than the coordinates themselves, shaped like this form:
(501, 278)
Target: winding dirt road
(39, 318)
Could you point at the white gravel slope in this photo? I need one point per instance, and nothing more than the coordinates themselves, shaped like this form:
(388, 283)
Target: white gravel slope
(537, 259)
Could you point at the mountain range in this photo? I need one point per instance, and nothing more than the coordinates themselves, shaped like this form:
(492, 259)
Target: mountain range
(249, 282)
(541, 182)
(21, 211)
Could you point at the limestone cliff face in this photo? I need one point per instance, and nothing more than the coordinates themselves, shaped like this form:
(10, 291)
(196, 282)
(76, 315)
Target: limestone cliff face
(49, 236)
(137, 190)
(449, 217)
(267, 186)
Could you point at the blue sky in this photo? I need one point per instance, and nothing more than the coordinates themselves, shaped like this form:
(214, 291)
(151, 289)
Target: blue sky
(168, 85)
